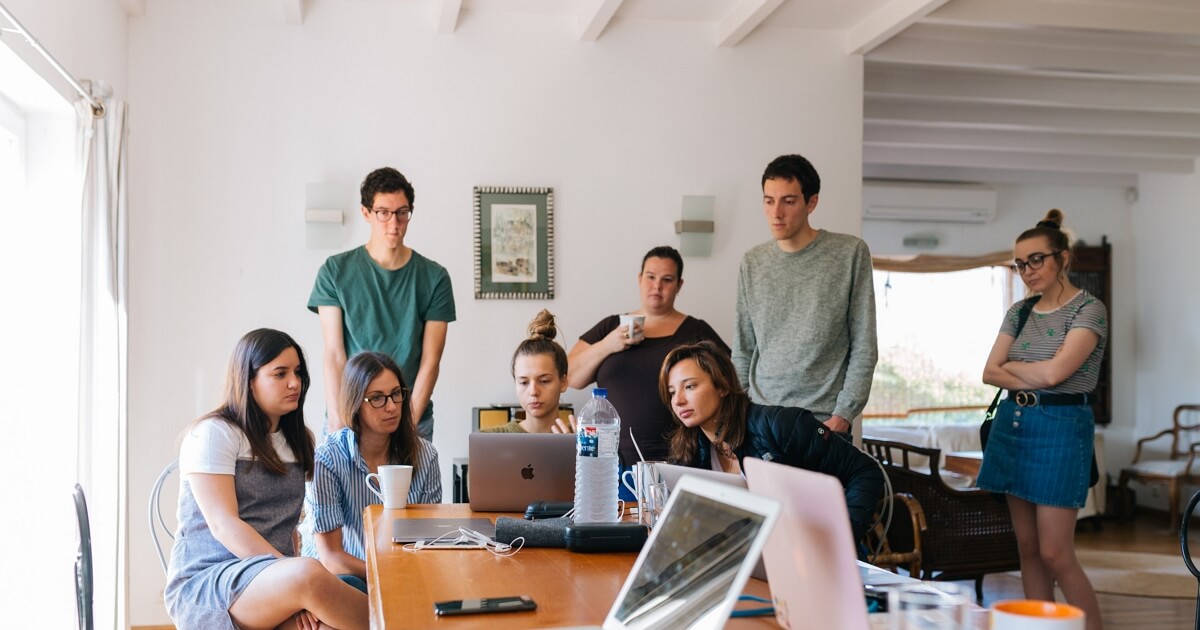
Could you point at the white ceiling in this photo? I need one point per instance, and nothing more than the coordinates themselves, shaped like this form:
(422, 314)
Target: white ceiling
(1056, 91)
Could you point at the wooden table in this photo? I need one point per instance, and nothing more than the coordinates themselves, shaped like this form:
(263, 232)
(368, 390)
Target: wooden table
(964, 462)
(571, 589)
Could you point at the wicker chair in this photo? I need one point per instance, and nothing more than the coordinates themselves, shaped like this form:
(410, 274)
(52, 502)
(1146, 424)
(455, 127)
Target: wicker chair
(968, 532)
(899, 543)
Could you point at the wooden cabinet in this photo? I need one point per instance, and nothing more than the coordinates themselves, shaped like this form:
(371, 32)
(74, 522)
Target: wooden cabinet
(1091, 270)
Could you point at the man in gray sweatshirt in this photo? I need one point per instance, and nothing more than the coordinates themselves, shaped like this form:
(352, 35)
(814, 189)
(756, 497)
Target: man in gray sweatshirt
(805, 326)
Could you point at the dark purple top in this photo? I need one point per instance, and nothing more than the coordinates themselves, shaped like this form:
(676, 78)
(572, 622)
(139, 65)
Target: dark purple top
(631, 378)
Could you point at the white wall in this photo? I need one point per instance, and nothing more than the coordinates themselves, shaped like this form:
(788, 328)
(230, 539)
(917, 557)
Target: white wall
(233, 112)
(1091, 213)
(1167, 362)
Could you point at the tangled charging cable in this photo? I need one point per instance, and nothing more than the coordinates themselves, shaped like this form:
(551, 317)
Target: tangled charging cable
(463, 538)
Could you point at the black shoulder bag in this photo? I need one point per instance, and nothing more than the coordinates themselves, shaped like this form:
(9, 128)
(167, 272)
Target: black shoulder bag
(985, 429)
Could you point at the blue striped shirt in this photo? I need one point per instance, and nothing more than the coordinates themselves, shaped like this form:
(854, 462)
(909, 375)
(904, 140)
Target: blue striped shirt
(338, 493)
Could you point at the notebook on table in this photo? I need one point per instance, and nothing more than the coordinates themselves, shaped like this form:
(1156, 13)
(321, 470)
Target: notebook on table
(672, 473)
(697, 560)
(508, 471)
(814, 574)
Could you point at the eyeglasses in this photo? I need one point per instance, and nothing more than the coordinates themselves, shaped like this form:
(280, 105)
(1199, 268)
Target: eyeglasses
(379, 400)
(1035, 261)
(383, 216)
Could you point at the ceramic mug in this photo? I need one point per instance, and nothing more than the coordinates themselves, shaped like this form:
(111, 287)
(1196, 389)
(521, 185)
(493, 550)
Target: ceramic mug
(391, 485)
(1032, 614)
(636, 326)
(640, 480)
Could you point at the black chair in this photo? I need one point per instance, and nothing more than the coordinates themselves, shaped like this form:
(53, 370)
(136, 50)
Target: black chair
(1187, 554)
(83, 563)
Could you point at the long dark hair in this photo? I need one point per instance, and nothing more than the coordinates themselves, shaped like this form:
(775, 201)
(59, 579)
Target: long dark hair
(238, 407)
(731, 413)
(360, 370)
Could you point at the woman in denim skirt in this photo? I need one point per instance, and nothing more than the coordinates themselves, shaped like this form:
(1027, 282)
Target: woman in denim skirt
(1039, 452)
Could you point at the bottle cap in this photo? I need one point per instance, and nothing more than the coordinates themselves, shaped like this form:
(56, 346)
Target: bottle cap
(599, 392)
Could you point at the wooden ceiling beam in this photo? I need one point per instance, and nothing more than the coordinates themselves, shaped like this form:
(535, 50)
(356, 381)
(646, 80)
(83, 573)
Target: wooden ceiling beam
(595, 18)
(1084, 54)
(1026, 161)
(1145, 16)
(293, 11)
(879, 134)
(447, 16)
(887, 80)
(886, 22)
(746, 16)
(1030, 118)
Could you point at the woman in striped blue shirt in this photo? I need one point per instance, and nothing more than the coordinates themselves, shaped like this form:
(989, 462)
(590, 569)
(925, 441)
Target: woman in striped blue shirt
(375, 400)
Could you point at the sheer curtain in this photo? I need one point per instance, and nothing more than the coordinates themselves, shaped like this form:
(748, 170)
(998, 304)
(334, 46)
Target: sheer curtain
(102, 456)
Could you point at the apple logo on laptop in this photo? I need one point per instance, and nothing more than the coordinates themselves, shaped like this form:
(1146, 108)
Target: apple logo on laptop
(527, 472)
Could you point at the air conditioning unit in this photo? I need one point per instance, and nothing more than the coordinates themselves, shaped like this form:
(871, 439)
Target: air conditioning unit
(928, 202)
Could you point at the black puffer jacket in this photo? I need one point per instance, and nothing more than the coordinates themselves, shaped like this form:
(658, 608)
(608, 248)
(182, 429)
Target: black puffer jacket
(793, 436)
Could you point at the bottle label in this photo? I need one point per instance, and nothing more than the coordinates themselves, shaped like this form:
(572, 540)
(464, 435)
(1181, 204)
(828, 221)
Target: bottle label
(588, 442)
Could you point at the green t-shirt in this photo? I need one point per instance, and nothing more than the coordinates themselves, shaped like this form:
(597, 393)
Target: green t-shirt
(385, 311)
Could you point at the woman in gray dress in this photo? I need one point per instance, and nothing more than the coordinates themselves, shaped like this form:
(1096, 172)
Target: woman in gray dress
(242, 472)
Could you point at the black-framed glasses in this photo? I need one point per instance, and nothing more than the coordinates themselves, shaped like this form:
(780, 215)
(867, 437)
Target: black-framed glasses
(383, 216)
(379, 400)
(1035, 261)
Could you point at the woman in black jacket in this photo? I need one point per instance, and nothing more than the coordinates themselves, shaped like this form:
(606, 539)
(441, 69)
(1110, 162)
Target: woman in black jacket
(719, 427)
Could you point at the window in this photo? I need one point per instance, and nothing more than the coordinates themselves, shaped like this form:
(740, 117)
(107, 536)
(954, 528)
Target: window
(40, 272)
(935, 332)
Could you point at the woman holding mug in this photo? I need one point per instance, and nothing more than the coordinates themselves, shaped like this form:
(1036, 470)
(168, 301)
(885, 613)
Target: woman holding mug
(626, 361)
(717, 427)
(1039, 452)
(375, 400)
(242, 470)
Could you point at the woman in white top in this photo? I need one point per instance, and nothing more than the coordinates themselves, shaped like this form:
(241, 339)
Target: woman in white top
(242, 472)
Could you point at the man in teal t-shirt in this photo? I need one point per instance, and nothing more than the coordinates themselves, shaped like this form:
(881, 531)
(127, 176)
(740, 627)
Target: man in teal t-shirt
(384, 297)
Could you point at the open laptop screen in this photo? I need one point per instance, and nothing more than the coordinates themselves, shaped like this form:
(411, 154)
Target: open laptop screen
(697, 560)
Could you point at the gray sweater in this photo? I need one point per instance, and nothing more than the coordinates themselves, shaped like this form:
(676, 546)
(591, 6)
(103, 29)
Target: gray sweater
(805, 325)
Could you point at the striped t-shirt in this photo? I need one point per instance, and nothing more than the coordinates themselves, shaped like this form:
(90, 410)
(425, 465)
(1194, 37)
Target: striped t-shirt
(338, 493)
(1044, 334)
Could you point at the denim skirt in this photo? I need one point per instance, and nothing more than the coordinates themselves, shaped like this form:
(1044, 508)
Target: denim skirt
(1041, 454)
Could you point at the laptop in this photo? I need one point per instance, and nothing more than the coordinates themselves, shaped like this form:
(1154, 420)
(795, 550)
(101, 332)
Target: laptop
(411, 530)
(810, 557)
(508, 471)
(697, 560)
(672, 473)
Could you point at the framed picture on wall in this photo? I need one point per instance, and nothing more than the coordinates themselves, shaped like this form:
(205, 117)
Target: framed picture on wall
(514, 243)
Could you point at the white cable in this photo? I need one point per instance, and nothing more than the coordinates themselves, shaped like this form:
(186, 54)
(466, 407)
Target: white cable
(470, 537)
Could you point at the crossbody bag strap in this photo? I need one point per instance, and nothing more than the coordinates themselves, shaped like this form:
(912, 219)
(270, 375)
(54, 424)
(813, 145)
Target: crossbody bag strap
(1022, 317)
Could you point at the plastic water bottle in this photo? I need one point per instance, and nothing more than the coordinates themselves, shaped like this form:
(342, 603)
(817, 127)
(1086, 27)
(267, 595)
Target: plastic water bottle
(599, 432)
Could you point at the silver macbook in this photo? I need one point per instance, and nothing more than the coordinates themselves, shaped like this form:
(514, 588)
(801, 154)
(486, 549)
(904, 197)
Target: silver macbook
(697, 560)
(411, 530)
(508, 471)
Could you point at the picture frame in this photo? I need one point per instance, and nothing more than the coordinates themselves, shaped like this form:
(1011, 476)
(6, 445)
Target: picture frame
(514, 243)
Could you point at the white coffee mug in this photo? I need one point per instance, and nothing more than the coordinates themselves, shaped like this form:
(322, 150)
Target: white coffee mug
(635, 326)
(1032, 614)
(393, 483)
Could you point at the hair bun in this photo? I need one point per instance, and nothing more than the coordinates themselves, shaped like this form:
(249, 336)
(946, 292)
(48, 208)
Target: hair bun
(542, 326)
(1052, 220)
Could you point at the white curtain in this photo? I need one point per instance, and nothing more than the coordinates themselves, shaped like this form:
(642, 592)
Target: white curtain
(103, 143)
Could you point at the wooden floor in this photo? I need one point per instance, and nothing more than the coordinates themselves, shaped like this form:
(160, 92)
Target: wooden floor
(1147, 533)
